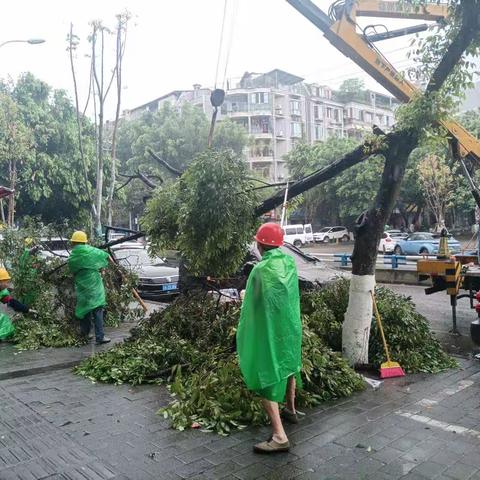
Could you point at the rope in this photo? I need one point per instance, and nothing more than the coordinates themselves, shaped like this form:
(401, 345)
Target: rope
(221, 41)
(230, 41)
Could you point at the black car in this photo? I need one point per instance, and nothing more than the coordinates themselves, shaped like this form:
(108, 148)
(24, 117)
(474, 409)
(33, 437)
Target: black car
(156, 278)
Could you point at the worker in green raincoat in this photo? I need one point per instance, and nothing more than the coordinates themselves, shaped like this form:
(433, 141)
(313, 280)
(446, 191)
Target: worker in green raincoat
(28, 272)
(269, 335)
(85, 263)
(6, 326)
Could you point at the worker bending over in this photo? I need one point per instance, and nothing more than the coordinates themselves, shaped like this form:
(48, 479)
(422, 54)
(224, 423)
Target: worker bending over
(6, 326)
(269, 336)
(85, 263)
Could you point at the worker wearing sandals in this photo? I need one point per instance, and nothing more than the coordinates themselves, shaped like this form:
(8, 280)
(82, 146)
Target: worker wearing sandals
(269, 335)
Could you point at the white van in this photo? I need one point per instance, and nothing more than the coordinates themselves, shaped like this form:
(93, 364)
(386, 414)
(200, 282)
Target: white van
(298, 235)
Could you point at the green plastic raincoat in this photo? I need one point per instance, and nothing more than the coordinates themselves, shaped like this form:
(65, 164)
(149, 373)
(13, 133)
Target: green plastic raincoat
(29, 278)
(269, 335)
(85, 262)
(6, 325)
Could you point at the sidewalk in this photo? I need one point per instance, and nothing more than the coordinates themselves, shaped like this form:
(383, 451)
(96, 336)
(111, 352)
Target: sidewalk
(16, 363)
(59, 426)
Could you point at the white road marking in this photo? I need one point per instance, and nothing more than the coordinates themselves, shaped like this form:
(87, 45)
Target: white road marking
(445, 393)
(447, 427)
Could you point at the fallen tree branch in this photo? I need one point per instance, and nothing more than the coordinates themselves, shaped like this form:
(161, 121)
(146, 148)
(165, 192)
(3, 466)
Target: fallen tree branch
(467, 33)
(140, 176)
(361, 153)
(164, 163)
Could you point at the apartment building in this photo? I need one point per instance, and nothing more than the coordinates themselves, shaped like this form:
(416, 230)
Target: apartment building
(279, 109)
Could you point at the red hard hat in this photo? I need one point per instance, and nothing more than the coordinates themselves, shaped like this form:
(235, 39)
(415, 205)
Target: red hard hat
(270, 234)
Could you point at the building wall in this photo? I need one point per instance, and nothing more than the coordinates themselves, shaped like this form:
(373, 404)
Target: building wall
(277, 117)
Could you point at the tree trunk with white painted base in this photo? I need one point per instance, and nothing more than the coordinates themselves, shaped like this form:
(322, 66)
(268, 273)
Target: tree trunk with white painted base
(358, 317)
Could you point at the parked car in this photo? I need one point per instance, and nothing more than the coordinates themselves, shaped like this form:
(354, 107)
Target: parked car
(389, 240)
(54, 247)
(423, 243)
(156, 279)
(298, 235)
(332, 233)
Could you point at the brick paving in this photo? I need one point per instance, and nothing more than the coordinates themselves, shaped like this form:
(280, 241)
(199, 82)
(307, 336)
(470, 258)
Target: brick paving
(56, 425)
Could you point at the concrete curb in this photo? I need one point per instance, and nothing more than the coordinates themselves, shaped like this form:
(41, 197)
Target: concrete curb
(27, 372)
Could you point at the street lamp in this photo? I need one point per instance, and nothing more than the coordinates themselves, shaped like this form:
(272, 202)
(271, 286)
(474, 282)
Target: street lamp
(31, 41)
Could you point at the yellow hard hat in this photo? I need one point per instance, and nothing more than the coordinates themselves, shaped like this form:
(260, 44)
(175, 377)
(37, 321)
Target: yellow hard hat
(79, 237)
(4, 275)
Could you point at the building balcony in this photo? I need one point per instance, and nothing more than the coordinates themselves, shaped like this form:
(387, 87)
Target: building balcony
(235, 109)
(261, 108)
(261, 159)
(261, 129)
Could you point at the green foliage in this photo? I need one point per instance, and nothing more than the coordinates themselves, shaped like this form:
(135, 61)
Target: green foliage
(352, 89)
(48, 166)
(427, 52)
(343, 197)
(53, 295)
(215, 399)
(408, 333)
(207, 215)
(190, 345)
(409, 337)
(471, 121)
(176, 136)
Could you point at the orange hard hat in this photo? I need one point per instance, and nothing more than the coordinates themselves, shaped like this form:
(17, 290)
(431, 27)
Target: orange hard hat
(270, 234)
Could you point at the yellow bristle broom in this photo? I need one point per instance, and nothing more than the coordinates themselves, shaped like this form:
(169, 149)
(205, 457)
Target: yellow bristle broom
(388, 369)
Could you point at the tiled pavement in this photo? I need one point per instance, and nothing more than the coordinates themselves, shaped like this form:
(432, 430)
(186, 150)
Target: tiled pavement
(59, 426)
(15, 363)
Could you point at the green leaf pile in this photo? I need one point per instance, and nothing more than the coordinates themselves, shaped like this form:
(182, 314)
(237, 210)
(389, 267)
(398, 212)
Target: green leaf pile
(207, 214)
(410, 340)
(190, 346)
(52, 295)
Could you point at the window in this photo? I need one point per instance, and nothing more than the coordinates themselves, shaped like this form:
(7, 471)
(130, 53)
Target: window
(318, 132)
(300, 230)
(317, 112)
(296, 129)
(290, 231)
(295, 107)
(259, 97)
(368, 117)
(336, 115)
(329, 112)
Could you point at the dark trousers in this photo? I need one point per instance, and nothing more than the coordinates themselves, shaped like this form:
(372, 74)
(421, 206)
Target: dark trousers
(95, 316)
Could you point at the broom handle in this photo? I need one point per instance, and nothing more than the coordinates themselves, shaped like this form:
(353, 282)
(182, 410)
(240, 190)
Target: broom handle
(134, 290)
(380, 327)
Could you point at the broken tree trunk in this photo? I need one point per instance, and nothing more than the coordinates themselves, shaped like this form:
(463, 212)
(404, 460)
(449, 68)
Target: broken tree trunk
(358, 317)
(356, 327)
(358, 155)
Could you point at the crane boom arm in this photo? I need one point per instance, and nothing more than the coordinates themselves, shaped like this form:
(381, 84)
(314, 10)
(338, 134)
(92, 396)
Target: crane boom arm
(342, 34)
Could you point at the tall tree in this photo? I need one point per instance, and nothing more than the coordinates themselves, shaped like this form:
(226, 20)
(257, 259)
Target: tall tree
(436, 179)
(121, 38)
(50, 182)
(176, 137)
(16, 144)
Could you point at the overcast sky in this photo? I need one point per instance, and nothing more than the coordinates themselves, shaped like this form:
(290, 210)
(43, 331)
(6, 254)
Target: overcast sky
(174, 44)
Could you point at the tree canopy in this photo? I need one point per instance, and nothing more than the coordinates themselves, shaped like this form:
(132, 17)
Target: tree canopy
(48, 163)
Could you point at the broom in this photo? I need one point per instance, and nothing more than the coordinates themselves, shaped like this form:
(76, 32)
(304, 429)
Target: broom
(388, 369)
